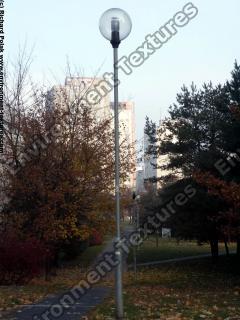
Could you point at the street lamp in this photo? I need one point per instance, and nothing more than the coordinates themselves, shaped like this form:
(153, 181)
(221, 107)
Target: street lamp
(115, 25)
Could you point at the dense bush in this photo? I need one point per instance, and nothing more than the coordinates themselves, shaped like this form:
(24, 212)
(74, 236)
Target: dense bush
(73, 248)
(96, 238)
(20, 260)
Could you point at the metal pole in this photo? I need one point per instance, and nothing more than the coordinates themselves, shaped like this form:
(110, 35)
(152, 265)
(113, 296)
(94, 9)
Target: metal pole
(118, 253)
(134, 248)
(138, 224)
(135, 262)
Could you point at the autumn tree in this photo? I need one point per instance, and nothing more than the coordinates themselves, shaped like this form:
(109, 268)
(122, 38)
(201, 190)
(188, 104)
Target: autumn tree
(58, 166)
(230, 193)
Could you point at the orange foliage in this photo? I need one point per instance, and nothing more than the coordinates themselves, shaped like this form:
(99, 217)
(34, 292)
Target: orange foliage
(230, 193)
(65, 190)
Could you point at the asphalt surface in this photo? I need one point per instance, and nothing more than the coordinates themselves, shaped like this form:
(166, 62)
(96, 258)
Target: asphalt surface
(45, 309)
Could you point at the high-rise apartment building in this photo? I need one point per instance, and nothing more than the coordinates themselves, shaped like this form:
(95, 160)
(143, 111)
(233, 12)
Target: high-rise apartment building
(75, 90)
(154, 166)
(128, 133)
(150, 162)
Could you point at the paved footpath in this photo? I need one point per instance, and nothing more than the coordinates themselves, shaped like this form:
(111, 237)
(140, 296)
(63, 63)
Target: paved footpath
(82, 307)
(153, 263)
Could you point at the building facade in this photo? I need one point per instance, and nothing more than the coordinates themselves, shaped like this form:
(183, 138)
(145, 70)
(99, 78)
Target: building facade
(75, 91)
(150, 162)
(154, 166)
(128, 133)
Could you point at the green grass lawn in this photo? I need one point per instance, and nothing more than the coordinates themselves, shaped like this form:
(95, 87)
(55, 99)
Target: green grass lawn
(182, 291)
(170, 249)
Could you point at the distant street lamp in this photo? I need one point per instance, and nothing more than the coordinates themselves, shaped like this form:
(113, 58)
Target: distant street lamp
(115, 25)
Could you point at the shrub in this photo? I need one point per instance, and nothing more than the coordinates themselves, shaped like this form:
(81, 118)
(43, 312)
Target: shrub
(20, 260)
(96, 238)
(73, 249)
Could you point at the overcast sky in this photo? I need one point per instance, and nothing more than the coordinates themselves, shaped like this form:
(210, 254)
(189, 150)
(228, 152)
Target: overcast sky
(203, 50)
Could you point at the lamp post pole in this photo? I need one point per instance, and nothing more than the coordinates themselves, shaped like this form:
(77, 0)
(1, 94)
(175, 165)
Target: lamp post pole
(115, 41)
(115, 25)
(118, 253)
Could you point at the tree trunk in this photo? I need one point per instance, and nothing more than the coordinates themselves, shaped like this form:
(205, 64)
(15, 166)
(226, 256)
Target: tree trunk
(51, 265)
(47, 269)
(157, 238)
(226, 247)
(214, 249)
(55, 264)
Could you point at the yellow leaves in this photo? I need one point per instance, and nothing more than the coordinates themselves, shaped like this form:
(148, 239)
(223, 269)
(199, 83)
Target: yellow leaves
(84, 232)
(176, 293)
